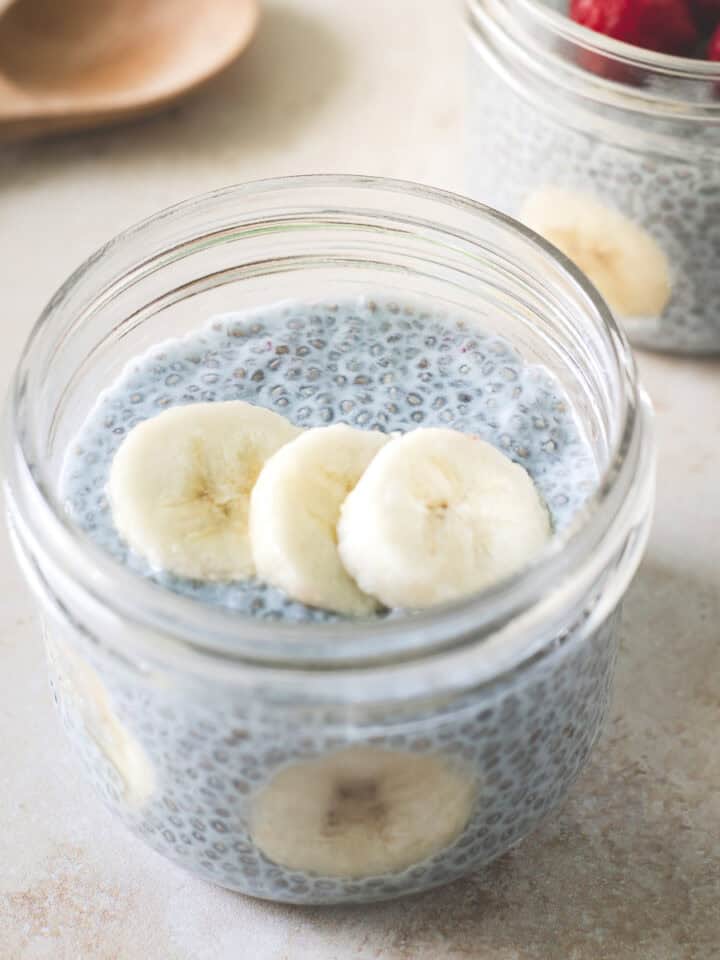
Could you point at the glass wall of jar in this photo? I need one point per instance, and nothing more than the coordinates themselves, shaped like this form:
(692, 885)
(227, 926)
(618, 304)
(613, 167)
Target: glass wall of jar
(353, 760)
(609, 151)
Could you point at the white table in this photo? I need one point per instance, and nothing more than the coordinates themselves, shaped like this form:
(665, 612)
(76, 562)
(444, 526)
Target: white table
(629, 868)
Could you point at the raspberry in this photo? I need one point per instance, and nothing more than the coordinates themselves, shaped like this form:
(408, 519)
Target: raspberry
(713, 47)
(706, 13)
(665, 26)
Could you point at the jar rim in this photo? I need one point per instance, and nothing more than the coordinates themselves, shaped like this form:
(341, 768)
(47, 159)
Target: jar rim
(627, 53)
(212, 633)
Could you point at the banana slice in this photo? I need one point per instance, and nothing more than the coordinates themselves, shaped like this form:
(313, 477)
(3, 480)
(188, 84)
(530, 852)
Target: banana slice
(361, 812)
(437, 515)
(83, 686)
(180, 486)
(294, 510)
(623, 261)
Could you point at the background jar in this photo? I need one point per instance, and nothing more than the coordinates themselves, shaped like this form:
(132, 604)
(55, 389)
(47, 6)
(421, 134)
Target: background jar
(183, 714)
(553, 104)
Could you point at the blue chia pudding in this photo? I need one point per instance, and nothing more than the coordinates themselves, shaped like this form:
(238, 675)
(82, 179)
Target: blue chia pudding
(370, 364)
(310, 803)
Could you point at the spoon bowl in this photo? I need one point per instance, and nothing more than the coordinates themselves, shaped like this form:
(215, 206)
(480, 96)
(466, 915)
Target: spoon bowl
(65, 66)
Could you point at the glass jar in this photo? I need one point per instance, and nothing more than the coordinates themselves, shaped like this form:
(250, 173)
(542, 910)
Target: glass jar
(613, 153)
(474, 718)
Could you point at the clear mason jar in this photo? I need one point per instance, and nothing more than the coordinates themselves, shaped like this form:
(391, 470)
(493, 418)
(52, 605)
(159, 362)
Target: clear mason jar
(486, 709)
(566, 124)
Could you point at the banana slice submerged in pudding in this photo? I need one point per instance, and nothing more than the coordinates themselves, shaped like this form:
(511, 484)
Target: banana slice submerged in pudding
(86, 693)
(361, 812)
(623, 261)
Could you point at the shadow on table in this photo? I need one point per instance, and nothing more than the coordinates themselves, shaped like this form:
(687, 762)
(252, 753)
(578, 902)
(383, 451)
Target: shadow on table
(627, 867)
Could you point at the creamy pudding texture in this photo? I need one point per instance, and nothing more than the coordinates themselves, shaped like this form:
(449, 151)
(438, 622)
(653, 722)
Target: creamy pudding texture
(374, 364)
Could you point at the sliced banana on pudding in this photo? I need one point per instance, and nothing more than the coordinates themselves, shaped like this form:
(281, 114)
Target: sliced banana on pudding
(438, 515)
(180, 486)
(361, 812)
(294, 510)
(623, 261)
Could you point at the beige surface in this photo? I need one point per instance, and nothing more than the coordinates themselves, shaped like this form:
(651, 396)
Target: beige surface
(629, 869)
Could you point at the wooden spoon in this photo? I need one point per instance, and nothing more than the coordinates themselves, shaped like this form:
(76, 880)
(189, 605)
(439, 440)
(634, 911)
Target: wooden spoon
(68, 64)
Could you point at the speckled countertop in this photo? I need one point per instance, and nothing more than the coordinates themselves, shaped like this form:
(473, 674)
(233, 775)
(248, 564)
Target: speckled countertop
(630, 868)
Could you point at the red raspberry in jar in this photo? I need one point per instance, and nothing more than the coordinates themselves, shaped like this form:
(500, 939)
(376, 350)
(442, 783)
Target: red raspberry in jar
(665, 26)
(706, 13)
(713, 47)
